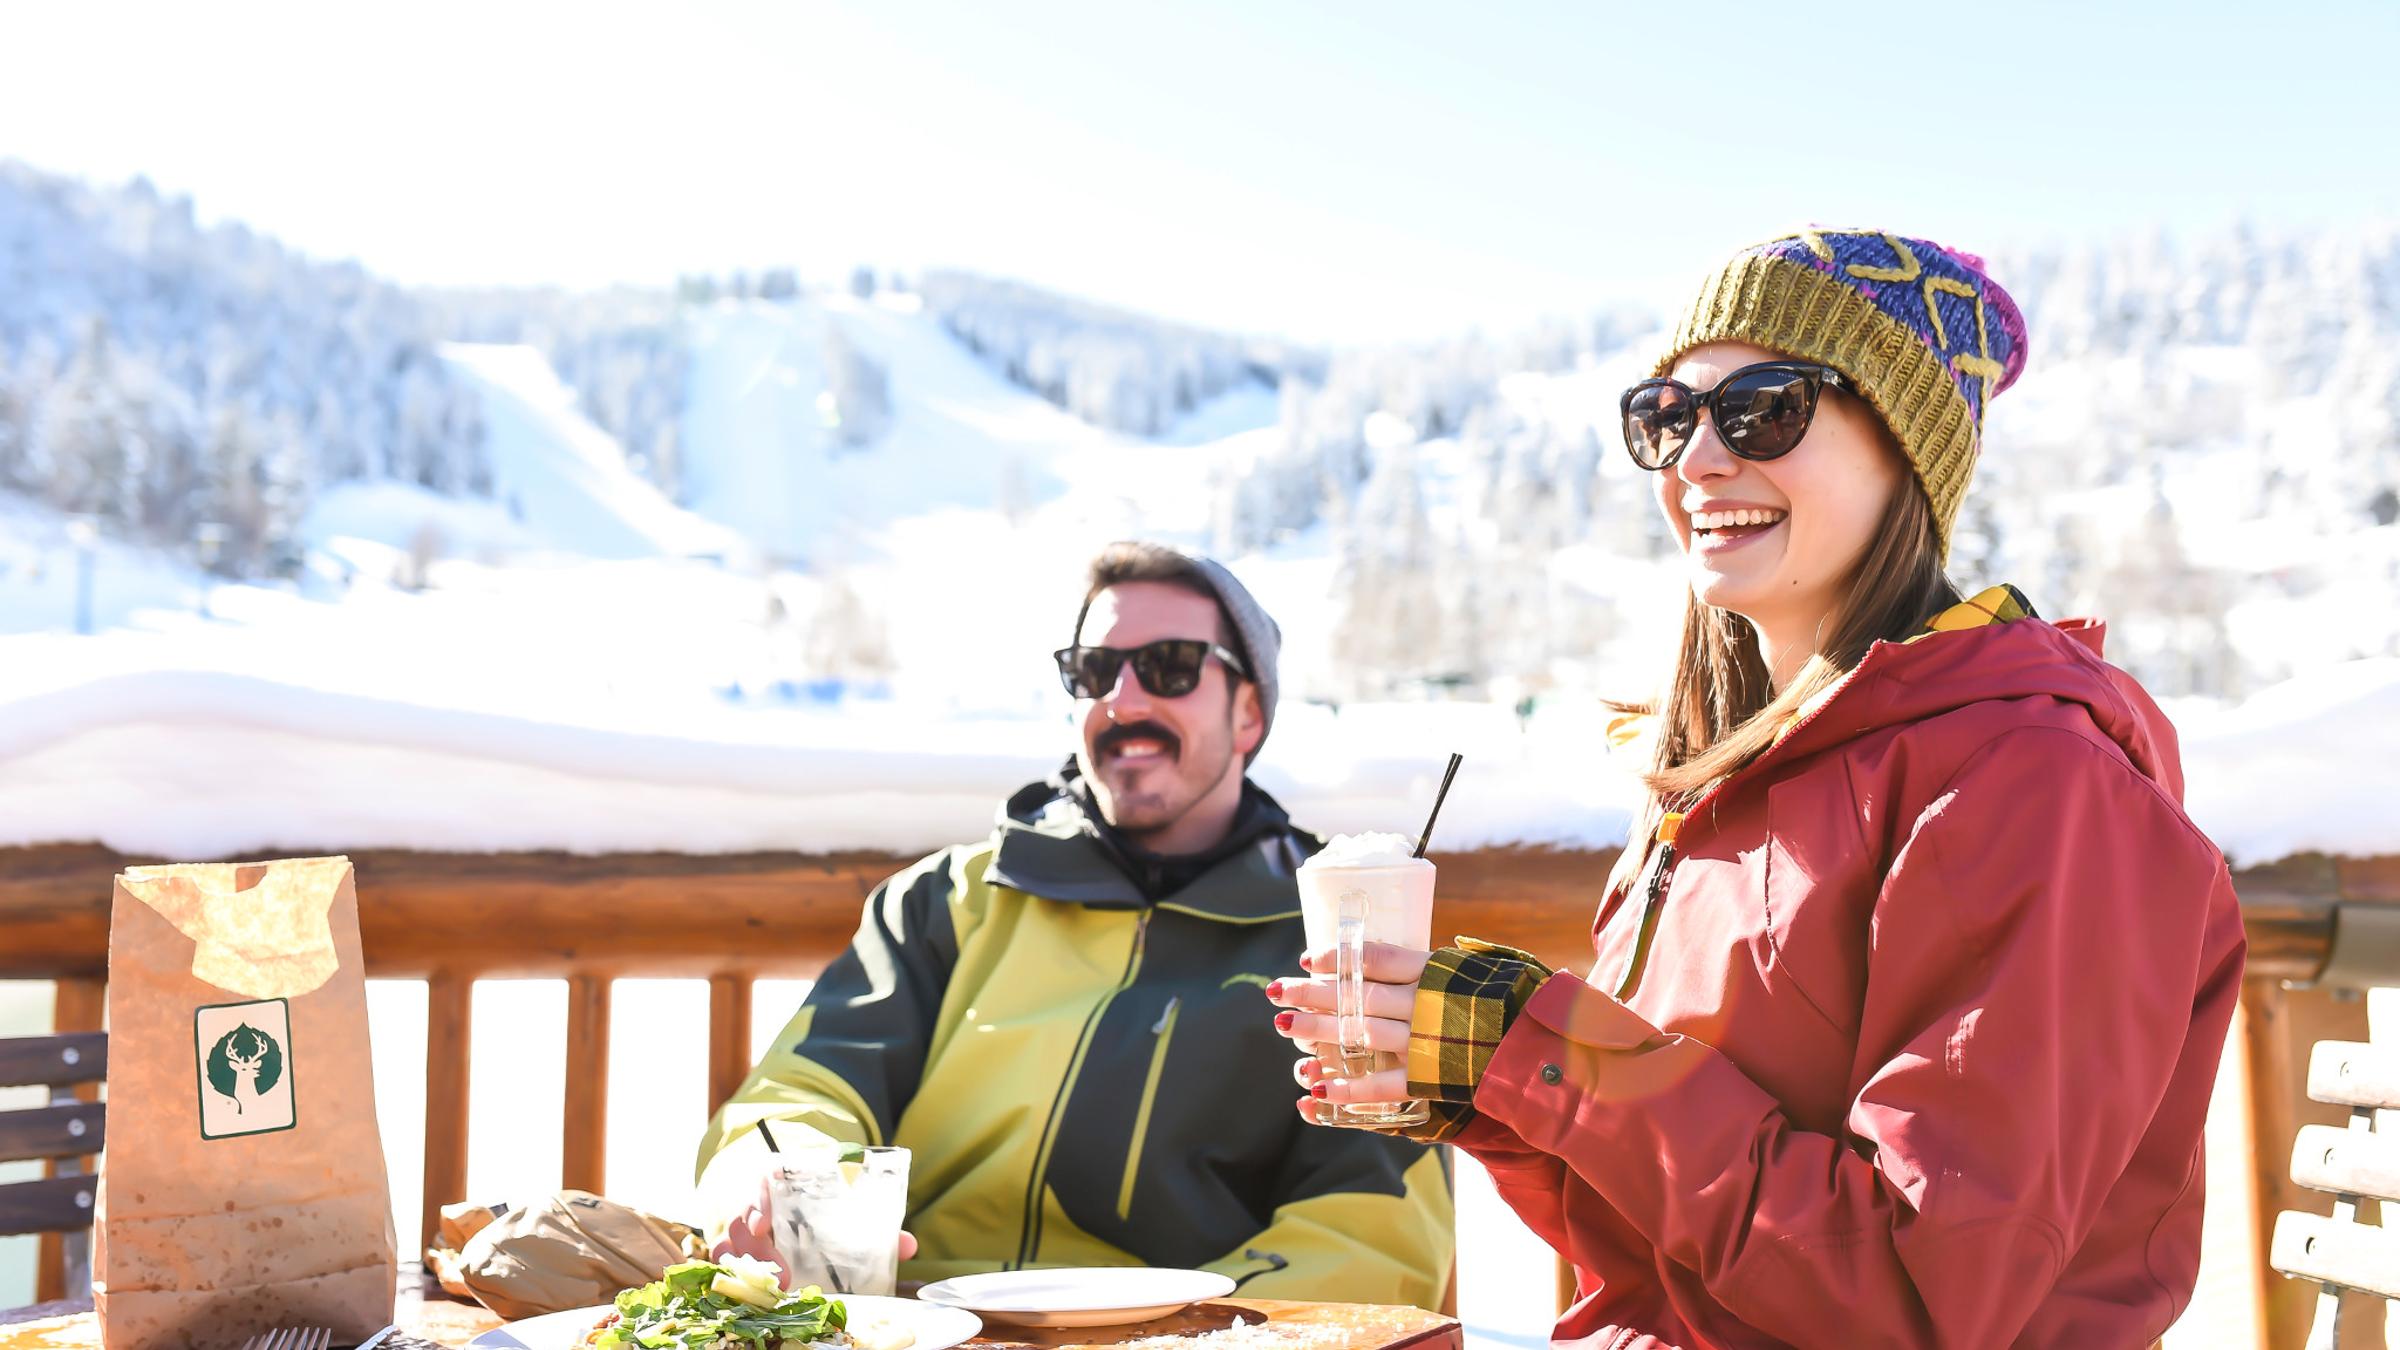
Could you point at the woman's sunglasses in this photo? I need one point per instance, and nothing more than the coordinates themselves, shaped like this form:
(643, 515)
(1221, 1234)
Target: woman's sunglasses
(1761, 411)
(1168, 668)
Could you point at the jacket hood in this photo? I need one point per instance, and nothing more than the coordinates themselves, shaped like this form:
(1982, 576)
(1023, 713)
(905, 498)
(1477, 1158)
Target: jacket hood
(1992, 647)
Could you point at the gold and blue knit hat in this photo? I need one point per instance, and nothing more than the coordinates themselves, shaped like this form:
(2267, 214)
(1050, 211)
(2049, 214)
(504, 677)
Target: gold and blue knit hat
(1926, 336)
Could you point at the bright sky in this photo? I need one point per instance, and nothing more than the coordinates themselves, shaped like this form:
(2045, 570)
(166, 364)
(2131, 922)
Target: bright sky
(1330, 171)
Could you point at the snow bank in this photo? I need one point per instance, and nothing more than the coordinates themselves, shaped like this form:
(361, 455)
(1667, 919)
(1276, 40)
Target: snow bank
(207, 764)
(2309, 765)
(201, 764)
(403, 516)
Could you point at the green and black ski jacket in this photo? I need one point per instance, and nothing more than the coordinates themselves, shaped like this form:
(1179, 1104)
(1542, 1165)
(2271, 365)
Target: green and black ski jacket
(1088, 1075)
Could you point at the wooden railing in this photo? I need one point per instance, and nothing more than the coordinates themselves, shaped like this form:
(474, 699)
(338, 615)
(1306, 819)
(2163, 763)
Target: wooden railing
(451, 919)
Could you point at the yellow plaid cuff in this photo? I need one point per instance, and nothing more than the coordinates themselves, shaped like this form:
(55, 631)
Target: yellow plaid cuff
(1466, 998)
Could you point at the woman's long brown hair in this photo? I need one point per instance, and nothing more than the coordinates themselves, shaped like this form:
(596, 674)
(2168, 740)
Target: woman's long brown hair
(1720, 711)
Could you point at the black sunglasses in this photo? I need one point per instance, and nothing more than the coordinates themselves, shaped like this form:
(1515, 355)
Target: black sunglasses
(1761, 411)
(1168, 668)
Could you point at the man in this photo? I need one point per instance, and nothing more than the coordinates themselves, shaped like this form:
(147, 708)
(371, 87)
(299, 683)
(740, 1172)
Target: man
(1064, 1023)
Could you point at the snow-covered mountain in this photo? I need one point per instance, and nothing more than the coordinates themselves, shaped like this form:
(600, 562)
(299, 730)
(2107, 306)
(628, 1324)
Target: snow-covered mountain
(2205, 450)
(564, 478)
(158, 376)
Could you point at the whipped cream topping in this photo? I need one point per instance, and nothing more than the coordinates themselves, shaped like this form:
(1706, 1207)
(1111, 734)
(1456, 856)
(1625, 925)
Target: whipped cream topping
(1366, 850)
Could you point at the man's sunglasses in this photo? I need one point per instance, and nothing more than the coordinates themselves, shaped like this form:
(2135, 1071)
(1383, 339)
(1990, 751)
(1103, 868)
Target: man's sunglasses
(1761, 411)
(1168, 668)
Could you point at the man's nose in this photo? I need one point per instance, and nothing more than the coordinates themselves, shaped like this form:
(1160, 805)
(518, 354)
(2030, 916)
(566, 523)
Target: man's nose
(1126, 694)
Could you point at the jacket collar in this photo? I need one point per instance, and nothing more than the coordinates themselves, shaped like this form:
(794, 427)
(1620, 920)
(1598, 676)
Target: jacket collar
(1993, 605)
(1988, 608)
(1048, 844)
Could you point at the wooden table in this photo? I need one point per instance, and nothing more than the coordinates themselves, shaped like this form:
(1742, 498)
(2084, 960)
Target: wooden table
(440, 1322)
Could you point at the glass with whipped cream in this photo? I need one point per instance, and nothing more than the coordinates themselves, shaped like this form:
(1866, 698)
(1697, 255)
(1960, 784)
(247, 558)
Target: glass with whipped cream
(1363, 888)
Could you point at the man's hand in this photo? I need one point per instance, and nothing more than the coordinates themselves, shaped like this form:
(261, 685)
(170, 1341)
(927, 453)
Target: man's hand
(751, 1232)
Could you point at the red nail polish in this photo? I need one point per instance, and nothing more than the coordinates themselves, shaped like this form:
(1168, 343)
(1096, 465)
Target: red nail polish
(1317, 1090)
(1274, 989)
(1284, 1020)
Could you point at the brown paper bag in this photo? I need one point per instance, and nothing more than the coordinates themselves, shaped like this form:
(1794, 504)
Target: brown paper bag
(242, 1187)
(573, 1250)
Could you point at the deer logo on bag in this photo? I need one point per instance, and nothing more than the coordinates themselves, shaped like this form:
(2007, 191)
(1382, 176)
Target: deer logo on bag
(245, 1076)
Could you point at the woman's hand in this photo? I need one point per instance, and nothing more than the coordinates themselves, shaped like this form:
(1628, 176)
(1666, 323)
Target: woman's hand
(1391, 992)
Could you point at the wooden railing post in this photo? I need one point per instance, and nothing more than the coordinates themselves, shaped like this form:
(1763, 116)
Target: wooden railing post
(583, 1145)
(728, 1037)
(75, 1005)
(2279, 1026)
(449, 1040)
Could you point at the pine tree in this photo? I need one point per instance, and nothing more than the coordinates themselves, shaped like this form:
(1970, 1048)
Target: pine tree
(858, 398)
(16, 434)
(845, 639)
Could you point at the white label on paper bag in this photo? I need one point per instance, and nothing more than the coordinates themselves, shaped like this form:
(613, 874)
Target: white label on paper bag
(244, 1057)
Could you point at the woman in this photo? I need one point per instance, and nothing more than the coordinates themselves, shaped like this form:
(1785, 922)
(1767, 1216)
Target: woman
(1909, 992)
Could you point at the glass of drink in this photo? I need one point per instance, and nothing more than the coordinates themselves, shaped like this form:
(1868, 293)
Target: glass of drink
(838, 1212)
(1360, 889)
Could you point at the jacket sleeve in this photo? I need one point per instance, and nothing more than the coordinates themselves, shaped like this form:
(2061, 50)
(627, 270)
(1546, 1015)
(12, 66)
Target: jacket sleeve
(2042, 956)
(850, 1059)
(1365, 1219)
(1530, 1181)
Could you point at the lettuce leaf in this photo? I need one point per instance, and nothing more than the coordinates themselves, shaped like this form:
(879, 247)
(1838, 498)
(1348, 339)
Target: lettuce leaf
(681, 1310)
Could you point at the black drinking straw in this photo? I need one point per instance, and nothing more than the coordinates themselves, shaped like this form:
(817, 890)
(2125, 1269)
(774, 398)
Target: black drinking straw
(1447, 775)
(800, 1220)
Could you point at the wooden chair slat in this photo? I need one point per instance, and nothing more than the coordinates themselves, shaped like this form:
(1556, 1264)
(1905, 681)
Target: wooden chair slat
(52, 1205)
(2350, 1073)
(2347, 1162)
(54, 1061)
(2351, 1255)
(61, 1131)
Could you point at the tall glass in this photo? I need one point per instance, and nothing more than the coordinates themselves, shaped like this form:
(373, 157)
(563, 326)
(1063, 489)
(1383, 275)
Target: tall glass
(837, 1214)
(1361, 889)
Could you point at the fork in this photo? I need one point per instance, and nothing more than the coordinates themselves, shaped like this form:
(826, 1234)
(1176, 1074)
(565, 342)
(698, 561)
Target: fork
(292, 1338)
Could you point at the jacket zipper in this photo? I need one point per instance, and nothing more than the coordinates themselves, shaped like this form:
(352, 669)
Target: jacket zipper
(1030, 1236)
(1662, 861)
(1165, 1032)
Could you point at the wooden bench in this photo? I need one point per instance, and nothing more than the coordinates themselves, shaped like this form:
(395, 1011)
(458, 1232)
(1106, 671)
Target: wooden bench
(2354, 1164)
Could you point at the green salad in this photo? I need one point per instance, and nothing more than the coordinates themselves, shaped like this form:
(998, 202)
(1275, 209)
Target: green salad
(723, 1304)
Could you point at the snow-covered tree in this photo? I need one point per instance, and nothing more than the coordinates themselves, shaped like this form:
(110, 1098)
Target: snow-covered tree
(127, 331)
(858, 396)
(1112, 368)
(845, 638)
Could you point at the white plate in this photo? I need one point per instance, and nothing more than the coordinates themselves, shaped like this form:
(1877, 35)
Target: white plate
(1092, 1296)
(937, 1327)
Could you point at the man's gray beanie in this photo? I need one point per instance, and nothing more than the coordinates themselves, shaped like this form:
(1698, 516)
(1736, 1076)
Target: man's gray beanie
(1262, 641)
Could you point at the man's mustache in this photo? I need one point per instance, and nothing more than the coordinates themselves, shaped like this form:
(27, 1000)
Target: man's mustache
(1135, 731)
